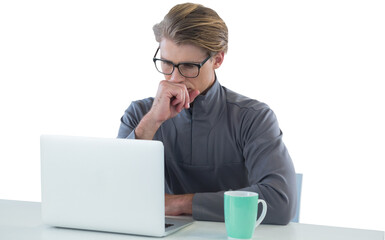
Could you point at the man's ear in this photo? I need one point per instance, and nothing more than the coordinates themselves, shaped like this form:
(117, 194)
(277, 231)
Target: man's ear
(218, 59)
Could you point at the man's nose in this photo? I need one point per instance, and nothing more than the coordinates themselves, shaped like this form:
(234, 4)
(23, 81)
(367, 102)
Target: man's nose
(176, 76)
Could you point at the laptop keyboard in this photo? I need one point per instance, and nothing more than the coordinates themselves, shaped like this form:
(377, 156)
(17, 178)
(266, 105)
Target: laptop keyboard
(168, 225)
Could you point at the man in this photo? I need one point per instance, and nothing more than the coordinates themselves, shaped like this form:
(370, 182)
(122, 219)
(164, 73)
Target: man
(215, 139)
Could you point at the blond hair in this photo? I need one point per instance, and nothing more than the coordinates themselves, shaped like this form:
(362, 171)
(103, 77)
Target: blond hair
(195, 24)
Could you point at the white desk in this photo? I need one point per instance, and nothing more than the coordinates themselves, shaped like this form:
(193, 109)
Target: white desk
(22, 220)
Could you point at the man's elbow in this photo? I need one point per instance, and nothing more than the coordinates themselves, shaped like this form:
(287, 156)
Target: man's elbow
(286, 216)
(281, 213)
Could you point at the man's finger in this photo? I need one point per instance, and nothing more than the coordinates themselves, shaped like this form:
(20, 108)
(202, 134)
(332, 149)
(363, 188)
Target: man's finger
(193, 95)
(178, 97)
(187, 99)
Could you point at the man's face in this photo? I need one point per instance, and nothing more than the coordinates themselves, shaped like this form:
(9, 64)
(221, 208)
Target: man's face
(189, 53)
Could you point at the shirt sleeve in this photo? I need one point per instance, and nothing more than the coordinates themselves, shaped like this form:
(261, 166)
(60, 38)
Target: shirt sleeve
(132, 116)
(270, 172)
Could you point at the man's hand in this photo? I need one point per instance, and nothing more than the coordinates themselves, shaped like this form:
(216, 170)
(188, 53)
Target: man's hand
(169, 101)
(178, 204)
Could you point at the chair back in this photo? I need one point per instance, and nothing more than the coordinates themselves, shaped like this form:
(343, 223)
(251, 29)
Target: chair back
(299, 188)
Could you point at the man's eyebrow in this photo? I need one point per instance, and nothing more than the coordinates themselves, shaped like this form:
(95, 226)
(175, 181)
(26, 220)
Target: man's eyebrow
(193, 62)
(163, 58)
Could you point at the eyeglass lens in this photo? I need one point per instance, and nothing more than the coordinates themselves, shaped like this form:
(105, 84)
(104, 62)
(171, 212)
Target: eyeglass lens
(186, 69)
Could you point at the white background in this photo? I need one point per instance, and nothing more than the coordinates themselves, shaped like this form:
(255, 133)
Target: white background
(73, 67)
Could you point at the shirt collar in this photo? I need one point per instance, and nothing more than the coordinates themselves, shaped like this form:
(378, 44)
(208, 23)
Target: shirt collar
(209, 106)
(210, 94)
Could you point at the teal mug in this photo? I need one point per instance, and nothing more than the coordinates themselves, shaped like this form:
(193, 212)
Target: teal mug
(241, 209)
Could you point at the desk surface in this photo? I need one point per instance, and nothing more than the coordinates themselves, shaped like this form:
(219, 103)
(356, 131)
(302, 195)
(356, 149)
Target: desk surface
(22, 220)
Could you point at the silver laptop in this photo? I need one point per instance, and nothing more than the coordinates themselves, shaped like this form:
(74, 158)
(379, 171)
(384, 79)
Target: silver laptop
(112, 185)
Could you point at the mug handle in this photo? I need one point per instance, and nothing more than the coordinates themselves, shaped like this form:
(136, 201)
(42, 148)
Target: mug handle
(263, 214)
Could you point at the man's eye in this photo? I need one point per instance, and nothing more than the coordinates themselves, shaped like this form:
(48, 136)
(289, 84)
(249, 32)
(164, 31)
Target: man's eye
(188, 66)
(166, 64)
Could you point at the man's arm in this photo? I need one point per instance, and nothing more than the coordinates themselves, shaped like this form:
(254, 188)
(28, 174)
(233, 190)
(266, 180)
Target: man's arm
(170, 100)
(270, 173)
(132, 116)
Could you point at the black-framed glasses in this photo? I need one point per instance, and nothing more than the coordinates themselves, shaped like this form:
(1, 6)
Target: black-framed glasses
(186, 69)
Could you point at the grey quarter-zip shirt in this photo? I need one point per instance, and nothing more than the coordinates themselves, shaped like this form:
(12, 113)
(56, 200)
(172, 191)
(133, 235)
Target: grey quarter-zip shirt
(225, 141)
